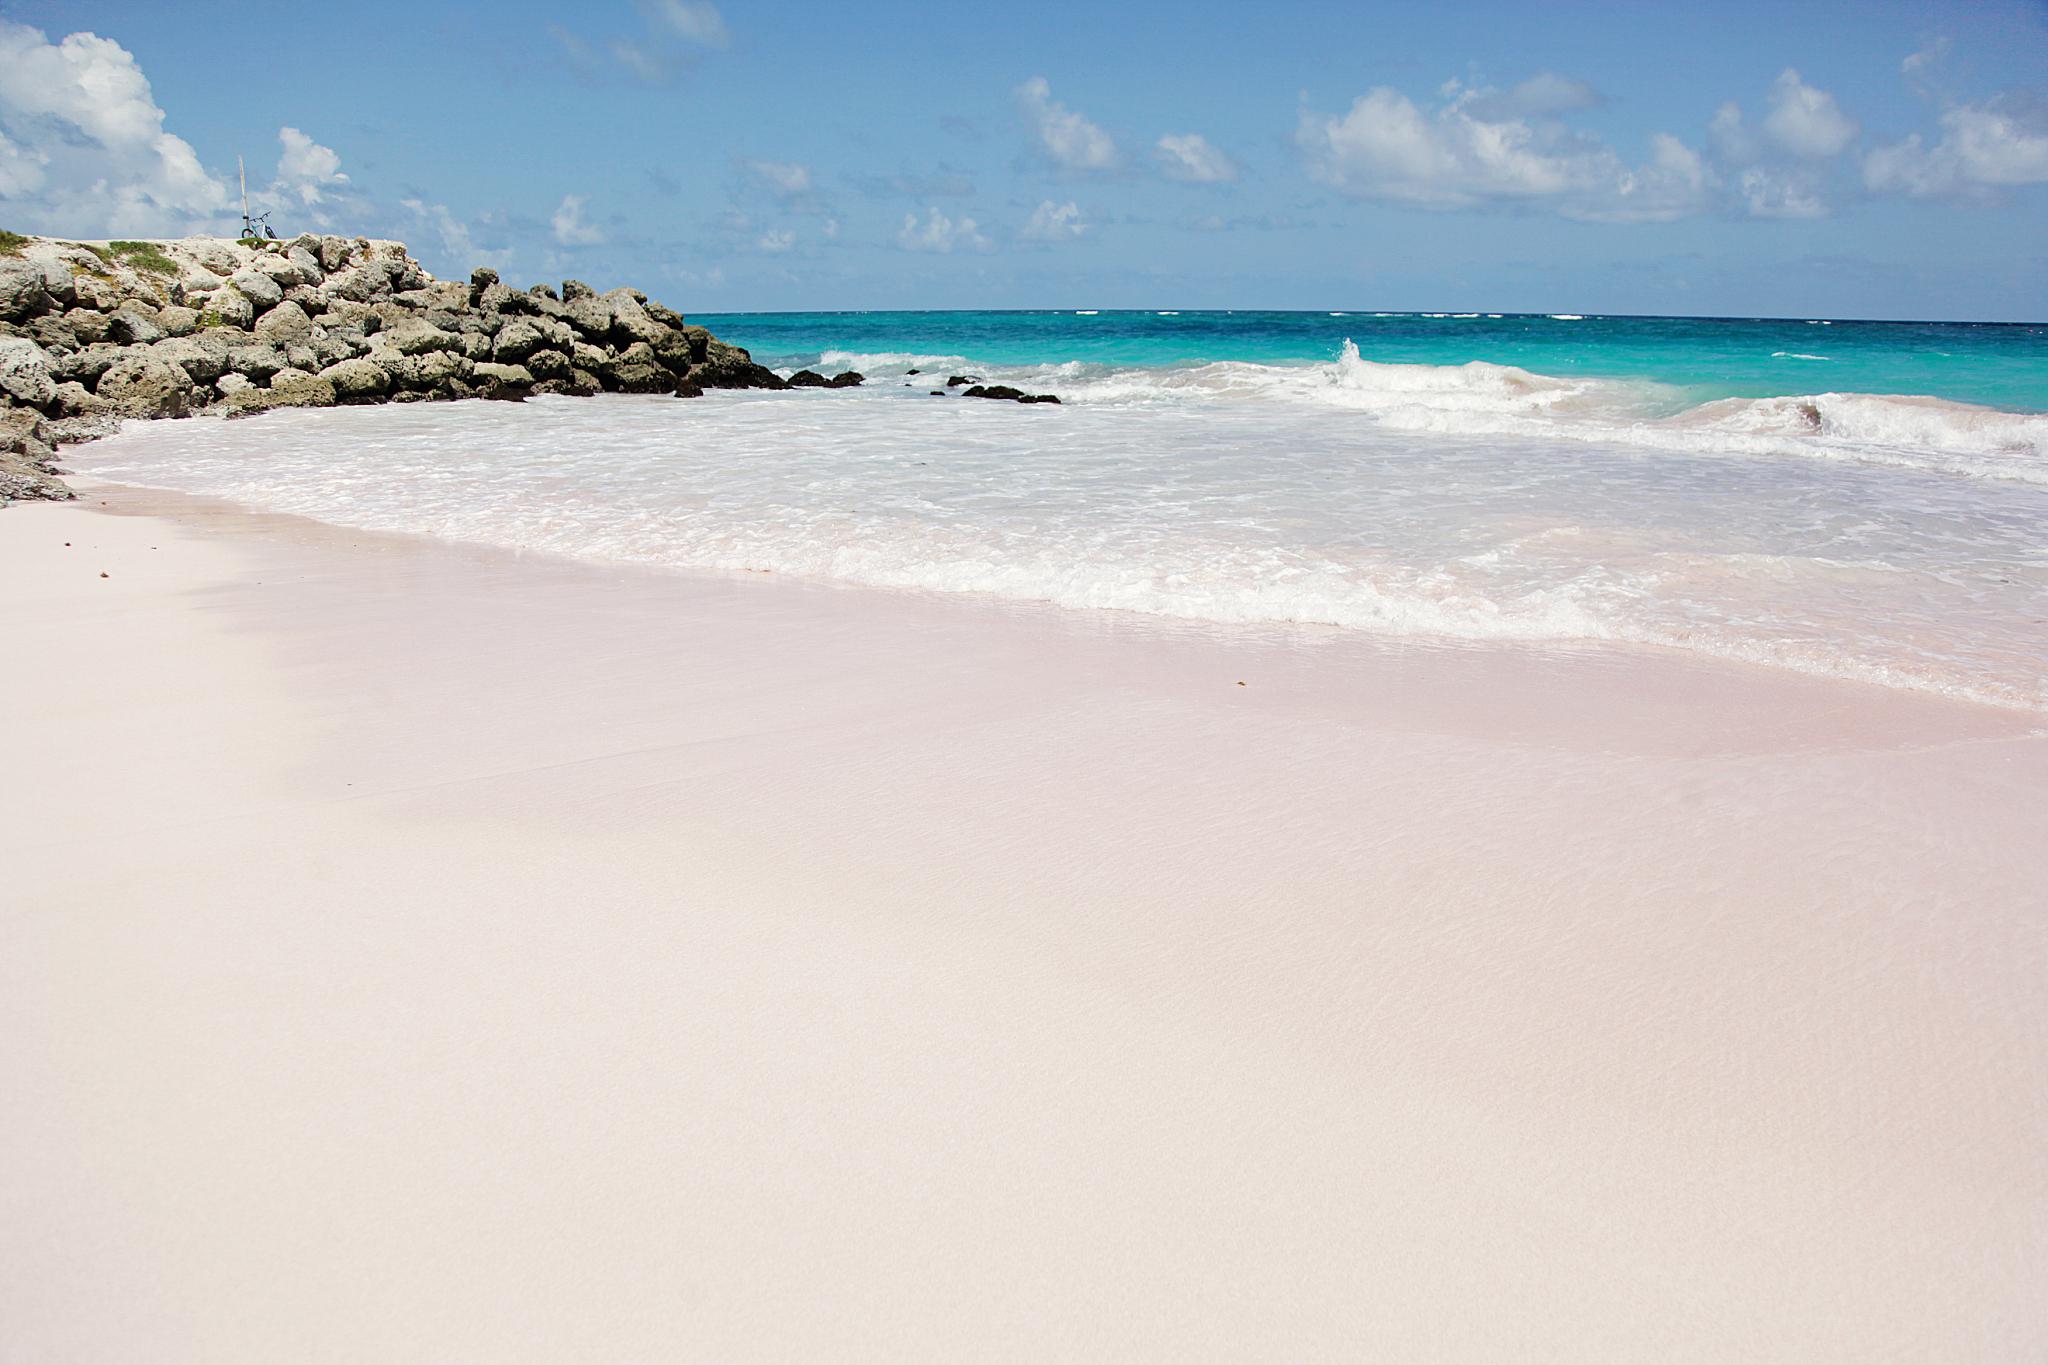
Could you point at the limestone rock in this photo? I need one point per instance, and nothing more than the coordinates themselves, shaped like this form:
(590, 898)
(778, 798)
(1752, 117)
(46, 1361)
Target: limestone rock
(87, 324)
(259, 288)
(416, 337)
(286, 324)
(809, 379)
(131, 328)
(140, 385)
(87, 363)
(25, 372)
(178, 321)
(203, 357)
(53, 334)
(23, 294)
(74, 399)
(227, 306)
(357, 380)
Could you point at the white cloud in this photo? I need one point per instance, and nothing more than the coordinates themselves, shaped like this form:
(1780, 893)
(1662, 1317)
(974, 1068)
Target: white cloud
(1192, 157)
(82, 142)
(1451, 157)
(940, 233)
(775, 241)
(693, 21)
(785, 179)
(570, 229)
(458, 246)
(1781, 194)
(1804, 121)
(1983, 147)
(307, 171)
(1052, 222)
(1068, 138)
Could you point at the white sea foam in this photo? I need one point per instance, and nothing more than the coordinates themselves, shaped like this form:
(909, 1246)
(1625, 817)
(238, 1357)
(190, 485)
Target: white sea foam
(1482, 399)
(1234, 508)
(1567, 317)
(1795, 355)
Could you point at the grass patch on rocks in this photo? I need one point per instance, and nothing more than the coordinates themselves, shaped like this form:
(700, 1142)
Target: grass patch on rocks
(11, 243)
(144, 256)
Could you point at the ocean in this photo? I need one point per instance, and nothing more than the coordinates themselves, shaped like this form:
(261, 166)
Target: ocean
(1854, 499)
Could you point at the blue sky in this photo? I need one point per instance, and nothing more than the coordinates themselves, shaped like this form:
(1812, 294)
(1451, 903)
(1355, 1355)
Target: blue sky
(1814, 159)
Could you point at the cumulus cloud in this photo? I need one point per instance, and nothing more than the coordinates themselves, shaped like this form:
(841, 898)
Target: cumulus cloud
(82, 142)
(1982, 148)
(940, 234)
(1068, 138)
(775, 241)
(784, 179)
(1804, 121)
(1192, 157)
(1052, 222)
(1455, 156)
(568, 224)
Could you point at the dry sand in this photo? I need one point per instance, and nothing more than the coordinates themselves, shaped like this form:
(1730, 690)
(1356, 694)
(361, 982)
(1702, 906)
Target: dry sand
(417, 953)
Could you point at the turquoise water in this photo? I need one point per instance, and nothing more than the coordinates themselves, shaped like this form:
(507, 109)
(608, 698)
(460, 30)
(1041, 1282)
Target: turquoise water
(1692, 360)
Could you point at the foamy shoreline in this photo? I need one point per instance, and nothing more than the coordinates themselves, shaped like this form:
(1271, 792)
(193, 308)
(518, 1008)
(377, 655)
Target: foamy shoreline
(430, 951)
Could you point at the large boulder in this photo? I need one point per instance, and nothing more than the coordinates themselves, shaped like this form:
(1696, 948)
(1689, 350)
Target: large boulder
(204, 357)
(178, 321)
(23, 293)
(140, 385)
(25, 374)
(630, 322)
(549, 365)
(87, 363)
(53, 334)
(227, 306)
(257, 287)
(285, 325)
(287, 389)
(259, 360)
(88, 325)
(510, 382)
(589, 314)
(730, 367)
(516, 340)
(358, 381)
(416, 337)
(131, 328)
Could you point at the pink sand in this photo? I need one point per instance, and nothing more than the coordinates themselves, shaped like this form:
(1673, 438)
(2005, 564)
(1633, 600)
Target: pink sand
(413, 952)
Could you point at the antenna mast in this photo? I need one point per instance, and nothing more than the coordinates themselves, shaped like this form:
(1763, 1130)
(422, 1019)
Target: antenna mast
(243, 175)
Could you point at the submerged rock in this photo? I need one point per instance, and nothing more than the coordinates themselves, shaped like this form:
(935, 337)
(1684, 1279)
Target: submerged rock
(1004, 391)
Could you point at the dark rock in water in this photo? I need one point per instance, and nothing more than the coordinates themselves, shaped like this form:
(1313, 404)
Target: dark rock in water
(847, 379)
(938, 393)
(911, 372)
(1004, 391)
(954, 381)
(686, 388)
(809, 379)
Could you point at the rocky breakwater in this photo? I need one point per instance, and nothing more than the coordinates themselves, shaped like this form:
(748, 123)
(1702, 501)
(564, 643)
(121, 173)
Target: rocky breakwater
(95, 332)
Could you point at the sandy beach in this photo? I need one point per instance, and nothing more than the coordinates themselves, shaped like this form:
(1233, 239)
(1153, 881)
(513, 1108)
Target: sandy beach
(420, 952)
